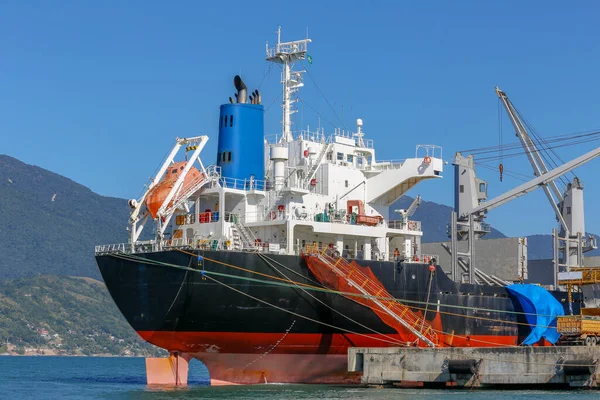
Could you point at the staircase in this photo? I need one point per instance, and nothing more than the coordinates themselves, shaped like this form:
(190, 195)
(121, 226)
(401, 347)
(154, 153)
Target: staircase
(243, 238)
(313, 168)
(410, 211)
(359, 284)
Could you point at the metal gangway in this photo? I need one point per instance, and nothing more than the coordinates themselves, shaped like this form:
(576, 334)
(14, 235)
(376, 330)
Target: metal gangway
(359, 284)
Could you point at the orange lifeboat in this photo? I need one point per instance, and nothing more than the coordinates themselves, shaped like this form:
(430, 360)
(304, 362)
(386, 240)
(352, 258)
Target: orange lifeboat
(159, 193)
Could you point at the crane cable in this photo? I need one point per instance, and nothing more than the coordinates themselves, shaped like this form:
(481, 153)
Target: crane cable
(500, 146)
(584, 136)
(546, 152)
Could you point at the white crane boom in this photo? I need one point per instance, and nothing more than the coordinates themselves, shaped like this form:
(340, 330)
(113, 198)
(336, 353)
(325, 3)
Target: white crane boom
(535, 183)
(533, 154)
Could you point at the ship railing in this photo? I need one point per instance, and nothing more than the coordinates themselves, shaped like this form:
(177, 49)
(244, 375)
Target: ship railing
(318, 136)
(428, 150)
(177, 243)
(244, 184)
(364, 143)
(320, 248)
(385, 165)
(203, 218)
(298, 46)
(213, 171)
(423, 259)
(348, 253)
(414, 226)
(268, 215)
(112, 248)
(359, 141)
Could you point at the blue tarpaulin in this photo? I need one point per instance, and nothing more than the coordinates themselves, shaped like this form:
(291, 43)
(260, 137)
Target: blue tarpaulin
(541, 310)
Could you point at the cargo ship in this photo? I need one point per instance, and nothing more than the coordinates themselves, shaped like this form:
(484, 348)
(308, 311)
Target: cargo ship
(270, 264)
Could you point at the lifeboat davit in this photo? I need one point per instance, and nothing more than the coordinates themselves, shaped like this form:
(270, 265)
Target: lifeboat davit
(159, 193)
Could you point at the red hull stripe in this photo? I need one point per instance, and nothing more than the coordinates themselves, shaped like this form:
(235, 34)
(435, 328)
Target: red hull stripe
(297, 343)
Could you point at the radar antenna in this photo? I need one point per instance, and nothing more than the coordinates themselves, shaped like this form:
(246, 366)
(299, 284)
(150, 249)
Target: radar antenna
(286, 54)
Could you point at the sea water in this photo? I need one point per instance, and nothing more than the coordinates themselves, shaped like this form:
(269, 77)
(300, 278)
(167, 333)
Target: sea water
(124, 378)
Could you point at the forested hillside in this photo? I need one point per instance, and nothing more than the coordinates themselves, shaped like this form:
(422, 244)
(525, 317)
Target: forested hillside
(50, 224)
(64, 315)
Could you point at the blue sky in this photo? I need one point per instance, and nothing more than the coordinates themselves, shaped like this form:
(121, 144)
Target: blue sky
(97, 91)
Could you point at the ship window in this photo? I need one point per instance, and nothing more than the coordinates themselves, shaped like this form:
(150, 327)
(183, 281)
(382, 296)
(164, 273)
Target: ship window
(482, 187)
(174, 171)
(461, 188)
(228, 156)
(329, 155)
(359, 160)
(568, 210)
(224, 156)
(346, 183)
(225, 121)
(231, 121)
(340, 156)
(350, 158)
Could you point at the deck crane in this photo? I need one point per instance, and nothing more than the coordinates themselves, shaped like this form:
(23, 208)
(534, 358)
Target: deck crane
(568, 207)
(471, 204)
(409, 212)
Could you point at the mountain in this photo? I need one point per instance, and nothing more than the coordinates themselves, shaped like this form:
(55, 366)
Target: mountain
(66, 316)
(434, 218)
(540, 247)
(51, 224)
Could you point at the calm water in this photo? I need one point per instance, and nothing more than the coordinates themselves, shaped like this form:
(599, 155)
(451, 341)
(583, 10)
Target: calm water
(124, 378)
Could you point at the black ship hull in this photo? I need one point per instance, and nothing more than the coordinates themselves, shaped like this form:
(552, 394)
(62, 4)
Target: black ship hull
(245, 328)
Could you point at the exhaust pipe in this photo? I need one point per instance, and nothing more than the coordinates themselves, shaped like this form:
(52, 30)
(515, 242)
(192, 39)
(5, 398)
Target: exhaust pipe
(240, 86)
(257, 97)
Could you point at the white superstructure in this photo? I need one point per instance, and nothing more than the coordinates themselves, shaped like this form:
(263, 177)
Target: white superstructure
(325, 189)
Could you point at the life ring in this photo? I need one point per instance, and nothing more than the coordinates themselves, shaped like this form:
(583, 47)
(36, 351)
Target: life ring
(273, 215)
(313, 182)
(280, 208)
(305, 153)
(412, 225)
(427, 160)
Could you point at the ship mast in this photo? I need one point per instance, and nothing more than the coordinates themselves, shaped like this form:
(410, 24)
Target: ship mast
(286, 54)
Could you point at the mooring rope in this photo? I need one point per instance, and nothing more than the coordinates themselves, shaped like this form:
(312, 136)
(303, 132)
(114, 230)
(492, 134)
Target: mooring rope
(322, 289)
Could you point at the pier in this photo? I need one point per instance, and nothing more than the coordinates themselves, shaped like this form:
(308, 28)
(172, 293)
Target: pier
(466, 367)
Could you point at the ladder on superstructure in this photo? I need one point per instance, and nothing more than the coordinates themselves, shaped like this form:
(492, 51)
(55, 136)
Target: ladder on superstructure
(313, 169)
(243, 238)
